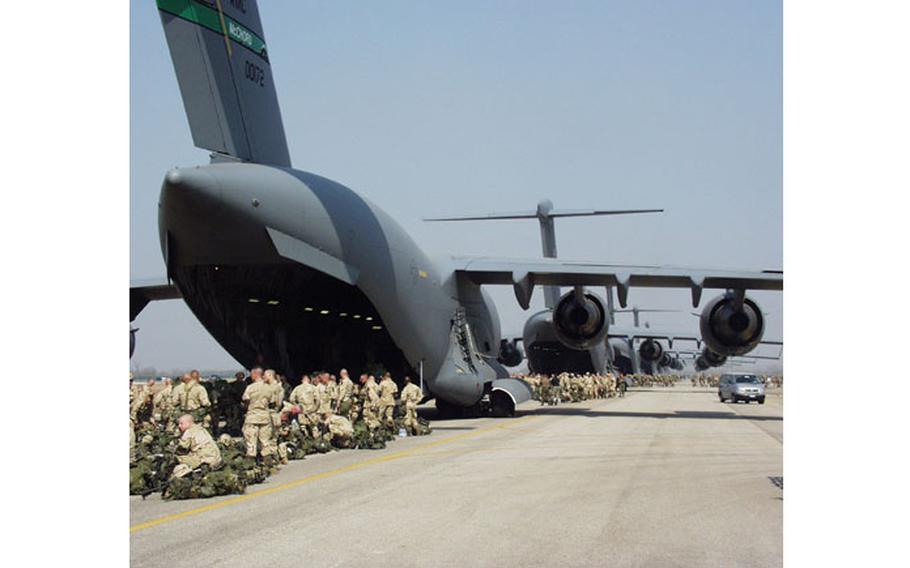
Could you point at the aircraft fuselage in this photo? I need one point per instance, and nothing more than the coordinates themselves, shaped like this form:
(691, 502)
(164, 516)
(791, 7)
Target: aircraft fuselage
(292, 270)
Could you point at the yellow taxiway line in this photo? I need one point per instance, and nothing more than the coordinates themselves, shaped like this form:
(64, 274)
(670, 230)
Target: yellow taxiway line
(323, 475)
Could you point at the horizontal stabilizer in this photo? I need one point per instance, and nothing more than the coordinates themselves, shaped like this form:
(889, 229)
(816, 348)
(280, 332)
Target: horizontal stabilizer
(143, 292)
(552, 214)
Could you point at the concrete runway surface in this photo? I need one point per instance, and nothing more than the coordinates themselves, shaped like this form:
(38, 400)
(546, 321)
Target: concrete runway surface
(662, 477)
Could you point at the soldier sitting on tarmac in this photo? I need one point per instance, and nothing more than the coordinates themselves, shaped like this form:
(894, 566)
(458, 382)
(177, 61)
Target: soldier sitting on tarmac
(196, 447)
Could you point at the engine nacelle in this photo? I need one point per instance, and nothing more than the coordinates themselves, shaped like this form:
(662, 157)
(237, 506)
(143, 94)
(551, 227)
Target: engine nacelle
(701, 364)
(730, 330)
(651, 350)
(510, 354)
(580, 324)
(713, 359)
(666, 360)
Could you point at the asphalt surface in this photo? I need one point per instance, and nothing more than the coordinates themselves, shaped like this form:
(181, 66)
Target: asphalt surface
(662, 477)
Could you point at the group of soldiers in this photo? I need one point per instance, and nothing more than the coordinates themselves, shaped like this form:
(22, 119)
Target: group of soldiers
(571, 387)
(702, 380)
(643, 380)
(260, 424)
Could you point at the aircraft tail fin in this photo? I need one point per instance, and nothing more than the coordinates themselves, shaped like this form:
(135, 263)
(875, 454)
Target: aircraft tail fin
(225, 78)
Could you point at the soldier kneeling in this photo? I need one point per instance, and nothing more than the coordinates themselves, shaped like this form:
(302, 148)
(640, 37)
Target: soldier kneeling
(340, 430)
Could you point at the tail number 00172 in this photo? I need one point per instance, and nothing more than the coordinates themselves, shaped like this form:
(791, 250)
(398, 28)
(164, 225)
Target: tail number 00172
(254, 73)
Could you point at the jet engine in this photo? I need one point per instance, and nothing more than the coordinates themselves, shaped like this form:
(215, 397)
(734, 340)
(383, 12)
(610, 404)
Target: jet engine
(731, 328)
(666, 360)
(510, 354)
(651, 350)
(713, 359)
(580, 320)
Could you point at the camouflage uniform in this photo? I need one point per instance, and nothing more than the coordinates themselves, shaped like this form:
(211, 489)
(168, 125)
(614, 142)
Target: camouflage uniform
(161, 403)
(191, 398)
(387, 391)
(141, 406)
(257, 426)
(345, 397)
(304, 396)
(277, 401)
(564, 387)
(410, 397)
(340, 431)
(196, 447)
(370, 397)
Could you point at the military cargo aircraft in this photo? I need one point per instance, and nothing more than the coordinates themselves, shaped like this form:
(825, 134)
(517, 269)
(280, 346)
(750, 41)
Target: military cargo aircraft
(311, 275)
(548, 353)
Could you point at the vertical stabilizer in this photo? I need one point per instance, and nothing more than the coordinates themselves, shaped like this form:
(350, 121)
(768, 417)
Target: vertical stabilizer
(225, 78)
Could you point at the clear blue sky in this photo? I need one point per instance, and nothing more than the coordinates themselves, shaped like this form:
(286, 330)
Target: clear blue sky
(471, 107)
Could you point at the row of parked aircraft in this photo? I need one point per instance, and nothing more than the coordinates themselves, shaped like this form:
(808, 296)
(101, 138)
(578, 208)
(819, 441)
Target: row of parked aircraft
(313, 275)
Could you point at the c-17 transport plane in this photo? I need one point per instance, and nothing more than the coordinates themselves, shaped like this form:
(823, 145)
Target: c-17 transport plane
(312, 275)
(548, 353)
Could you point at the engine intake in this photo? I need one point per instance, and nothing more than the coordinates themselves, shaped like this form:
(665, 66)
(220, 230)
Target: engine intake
(510, 354)
(580, 323)
(651, 350)
(728, 329)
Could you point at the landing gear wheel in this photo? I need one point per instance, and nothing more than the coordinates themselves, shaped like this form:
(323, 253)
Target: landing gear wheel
(501, 405)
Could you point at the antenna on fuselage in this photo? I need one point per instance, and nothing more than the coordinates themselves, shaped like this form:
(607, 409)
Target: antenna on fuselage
(545, 215)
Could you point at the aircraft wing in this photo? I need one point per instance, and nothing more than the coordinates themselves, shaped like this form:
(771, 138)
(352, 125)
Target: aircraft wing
(144, 291)
(524, 275)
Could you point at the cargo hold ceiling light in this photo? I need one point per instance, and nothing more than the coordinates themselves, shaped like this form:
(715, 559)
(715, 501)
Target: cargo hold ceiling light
(272, 302)
(343, 314)
(356, 316)
(254, 300)
(324, 312)
(369, 318)
(377, 327)
(308, 309)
